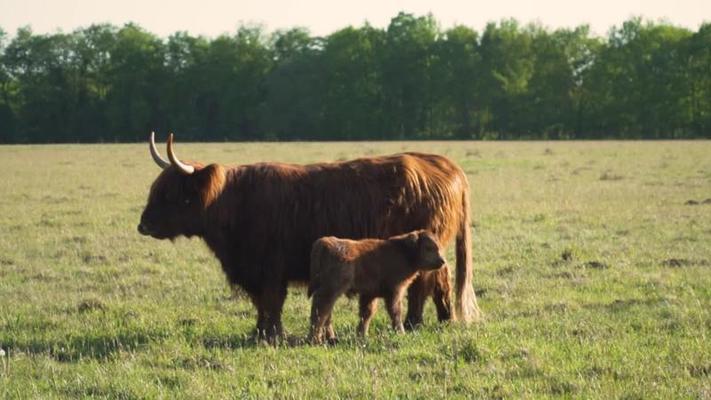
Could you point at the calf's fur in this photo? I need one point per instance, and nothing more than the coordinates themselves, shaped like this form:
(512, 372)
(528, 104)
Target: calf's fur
(371, 268)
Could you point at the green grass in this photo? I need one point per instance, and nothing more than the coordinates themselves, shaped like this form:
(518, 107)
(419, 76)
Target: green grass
(593, 273)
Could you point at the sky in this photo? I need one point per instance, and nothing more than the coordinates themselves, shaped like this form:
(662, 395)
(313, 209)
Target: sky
(321, 17)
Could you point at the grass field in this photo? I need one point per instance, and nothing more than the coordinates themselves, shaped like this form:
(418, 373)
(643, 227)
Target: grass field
(592, 265)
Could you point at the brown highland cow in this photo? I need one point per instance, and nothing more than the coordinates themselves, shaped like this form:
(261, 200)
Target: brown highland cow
(371, 268)
(261, 219)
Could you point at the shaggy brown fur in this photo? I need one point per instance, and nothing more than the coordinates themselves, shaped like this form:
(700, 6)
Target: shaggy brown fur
(261, 219)
(371, 268)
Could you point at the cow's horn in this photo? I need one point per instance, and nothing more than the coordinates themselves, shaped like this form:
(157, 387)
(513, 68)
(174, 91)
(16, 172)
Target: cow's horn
(154, 153)
(184, 168)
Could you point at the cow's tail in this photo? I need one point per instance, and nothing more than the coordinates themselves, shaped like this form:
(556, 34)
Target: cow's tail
(315, 266)
(467, 308)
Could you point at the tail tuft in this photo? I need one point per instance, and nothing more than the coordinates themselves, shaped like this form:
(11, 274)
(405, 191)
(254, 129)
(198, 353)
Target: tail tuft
(467, 309)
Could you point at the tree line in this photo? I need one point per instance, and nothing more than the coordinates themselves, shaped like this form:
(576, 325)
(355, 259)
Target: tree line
(411, 80)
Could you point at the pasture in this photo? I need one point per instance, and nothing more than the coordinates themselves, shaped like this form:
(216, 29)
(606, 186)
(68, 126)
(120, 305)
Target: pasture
(592, 268)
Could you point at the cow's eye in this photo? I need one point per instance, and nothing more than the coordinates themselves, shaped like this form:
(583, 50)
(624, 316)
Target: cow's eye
(187, 202)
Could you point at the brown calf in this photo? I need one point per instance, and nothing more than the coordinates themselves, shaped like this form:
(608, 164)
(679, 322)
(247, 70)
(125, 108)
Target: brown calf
(371, 268)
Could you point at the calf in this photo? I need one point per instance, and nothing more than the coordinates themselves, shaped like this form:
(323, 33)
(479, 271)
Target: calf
(371, 268)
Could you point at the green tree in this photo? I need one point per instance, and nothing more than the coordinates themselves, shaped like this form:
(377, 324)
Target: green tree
(138, 80)
(406, 71)
(508, 65)
(352, 97)
(698, 78)
(294, 103)
(7, 115)
(637, 83)
(457, 71)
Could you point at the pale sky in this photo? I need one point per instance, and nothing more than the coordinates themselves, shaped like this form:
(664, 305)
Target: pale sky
(321, 17)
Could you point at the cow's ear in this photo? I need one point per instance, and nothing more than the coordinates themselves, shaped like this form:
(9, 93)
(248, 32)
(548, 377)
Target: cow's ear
(209, 183)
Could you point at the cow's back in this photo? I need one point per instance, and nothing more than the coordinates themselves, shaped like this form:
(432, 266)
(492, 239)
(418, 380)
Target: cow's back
(281, 209)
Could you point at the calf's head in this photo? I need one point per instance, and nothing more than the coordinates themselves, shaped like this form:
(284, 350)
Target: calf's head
(424, 252)
(180, 196)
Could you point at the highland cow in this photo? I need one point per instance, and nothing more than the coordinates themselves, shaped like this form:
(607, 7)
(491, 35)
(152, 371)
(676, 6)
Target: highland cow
(261, 219)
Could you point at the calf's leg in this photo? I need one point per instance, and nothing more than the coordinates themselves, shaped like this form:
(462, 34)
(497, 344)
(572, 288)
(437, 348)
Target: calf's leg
(394, 310)
(321, 310)
(367, 306)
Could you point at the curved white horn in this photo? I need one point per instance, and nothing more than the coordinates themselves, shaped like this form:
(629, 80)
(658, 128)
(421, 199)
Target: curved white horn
(154, 153)
(184, 168)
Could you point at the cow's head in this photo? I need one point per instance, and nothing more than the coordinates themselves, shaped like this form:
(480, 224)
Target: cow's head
(180, 196)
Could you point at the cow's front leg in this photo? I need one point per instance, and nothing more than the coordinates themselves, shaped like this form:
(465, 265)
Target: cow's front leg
(269, 308)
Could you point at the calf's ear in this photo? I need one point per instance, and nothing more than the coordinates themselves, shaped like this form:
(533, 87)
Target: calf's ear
(412, 239)
(426, 236)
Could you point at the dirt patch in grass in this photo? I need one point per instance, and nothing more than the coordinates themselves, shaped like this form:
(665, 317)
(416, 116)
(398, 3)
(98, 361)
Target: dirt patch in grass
(94, 259)
(699, 371)
(508, 270)
(473, 153)
(594, 265)
(683, 262)
(481, 292)
(610, 176)
(563, 275)
(201, 362)
(693, 202)
(88, 305)
(566, 256)
(622, 305)
(578, 170)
